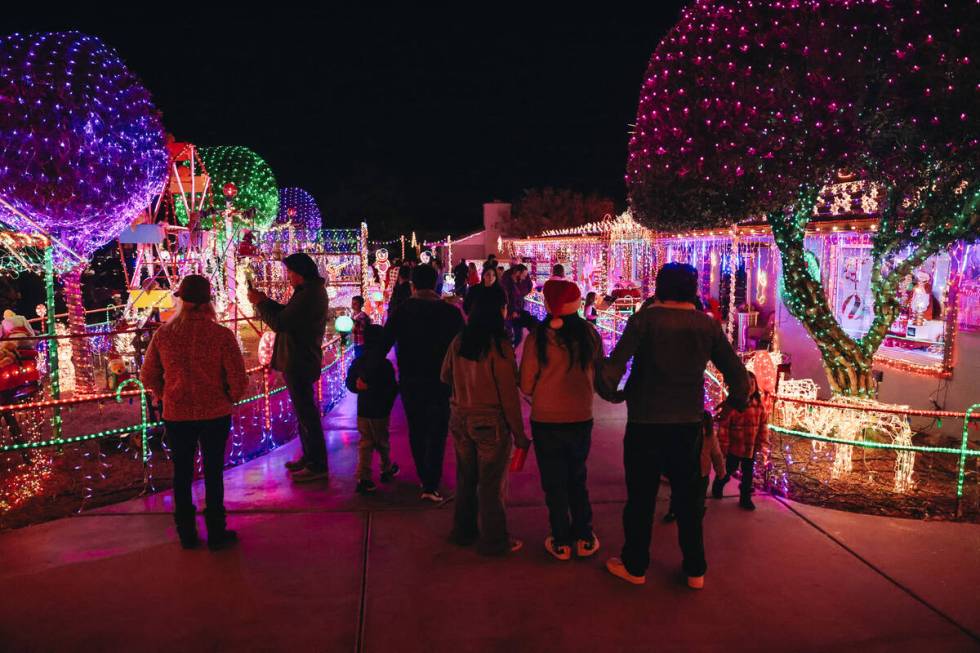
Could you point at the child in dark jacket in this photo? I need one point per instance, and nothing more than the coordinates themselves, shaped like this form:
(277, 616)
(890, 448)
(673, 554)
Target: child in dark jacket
(372, 377)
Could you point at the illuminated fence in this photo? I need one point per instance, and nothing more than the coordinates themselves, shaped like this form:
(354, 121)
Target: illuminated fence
(844, 423)
(132, 453)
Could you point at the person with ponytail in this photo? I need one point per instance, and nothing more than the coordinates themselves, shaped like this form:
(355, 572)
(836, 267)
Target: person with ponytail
(481, 370)
(558, 373)
(195, 365)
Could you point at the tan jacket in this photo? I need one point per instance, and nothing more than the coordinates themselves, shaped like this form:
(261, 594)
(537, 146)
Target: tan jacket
(560, 392)
(488, 385)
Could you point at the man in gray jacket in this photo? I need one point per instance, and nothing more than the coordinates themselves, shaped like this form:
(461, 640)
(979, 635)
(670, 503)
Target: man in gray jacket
(298, 354)
(670, 343)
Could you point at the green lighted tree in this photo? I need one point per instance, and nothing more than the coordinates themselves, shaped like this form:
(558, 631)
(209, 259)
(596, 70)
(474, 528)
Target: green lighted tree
(749, 108)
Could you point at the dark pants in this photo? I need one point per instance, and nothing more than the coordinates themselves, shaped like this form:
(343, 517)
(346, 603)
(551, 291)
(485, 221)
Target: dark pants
(300, 388)
(426, 406)
(483, 446)
(183, 437)
(561, 451)
(524, 320)
(748, 468)
(650, 450)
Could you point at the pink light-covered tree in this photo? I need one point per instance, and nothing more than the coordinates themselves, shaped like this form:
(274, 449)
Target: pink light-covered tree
(749, 108)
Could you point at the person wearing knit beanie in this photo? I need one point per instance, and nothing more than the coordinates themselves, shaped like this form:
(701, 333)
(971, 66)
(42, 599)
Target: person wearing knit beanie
(300, 325)
(561, 298)
(302, 265)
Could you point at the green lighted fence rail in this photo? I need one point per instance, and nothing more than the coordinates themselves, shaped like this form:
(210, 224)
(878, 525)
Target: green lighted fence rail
(143, 425)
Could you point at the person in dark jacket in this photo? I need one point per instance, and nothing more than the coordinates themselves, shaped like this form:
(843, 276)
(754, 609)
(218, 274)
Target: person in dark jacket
(517, 285)
(489, 290)
(372, 377)
(421, 330)
(402, 290)
(670, 343)
(460, 274)
(298, 353)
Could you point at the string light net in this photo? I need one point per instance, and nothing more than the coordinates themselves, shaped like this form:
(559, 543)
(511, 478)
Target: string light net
(298, 208)
(82, 147)
(744, 102)
(252, 177)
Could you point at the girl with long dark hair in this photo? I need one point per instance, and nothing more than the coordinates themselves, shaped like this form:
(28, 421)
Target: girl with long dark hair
(485, 415)
(488, 291)
(558, 372)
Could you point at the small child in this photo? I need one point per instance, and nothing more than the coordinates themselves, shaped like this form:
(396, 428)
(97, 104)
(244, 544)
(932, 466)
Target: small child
(742, 434)
(591, 314)
(372, 377)
(361, 320)
(710, 457)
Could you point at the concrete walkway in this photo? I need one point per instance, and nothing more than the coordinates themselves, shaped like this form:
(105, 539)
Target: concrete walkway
(321, 569)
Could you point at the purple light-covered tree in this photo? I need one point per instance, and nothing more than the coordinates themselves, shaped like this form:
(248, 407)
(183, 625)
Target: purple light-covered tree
(82, 152)
(298, 208)
(749, 108)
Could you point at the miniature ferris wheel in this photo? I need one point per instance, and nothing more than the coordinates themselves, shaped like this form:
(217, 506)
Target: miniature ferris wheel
(169, 238)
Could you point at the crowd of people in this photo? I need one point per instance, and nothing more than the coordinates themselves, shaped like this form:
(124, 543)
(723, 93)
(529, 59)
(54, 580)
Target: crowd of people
(460, 376)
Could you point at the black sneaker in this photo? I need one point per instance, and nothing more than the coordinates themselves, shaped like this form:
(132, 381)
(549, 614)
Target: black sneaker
(222, 540)
(296, 465)
(366, 486)
(388, 475)
(745, 503)
(718, 487)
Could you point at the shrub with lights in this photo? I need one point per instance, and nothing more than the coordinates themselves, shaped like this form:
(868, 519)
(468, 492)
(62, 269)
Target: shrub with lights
(256, 200)
(749, 108)
(299, 209)
(82, 152)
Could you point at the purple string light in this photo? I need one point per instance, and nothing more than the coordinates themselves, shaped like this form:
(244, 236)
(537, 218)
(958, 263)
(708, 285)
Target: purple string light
(82, 148)
(298, 207)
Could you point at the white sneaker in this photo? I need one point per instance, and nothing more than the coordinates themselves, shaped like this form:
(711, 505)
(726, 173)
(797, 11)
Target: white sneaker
(586, 548)
(559, 551)
(618, 569)
(434, 496)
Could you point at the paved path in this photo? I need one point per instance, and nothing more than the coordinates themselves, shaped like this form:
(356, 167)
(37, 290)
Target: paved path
(321, 569)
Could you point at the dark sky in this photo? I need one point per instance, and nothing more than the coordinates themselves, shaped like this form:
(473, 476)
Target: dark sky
(407, 118)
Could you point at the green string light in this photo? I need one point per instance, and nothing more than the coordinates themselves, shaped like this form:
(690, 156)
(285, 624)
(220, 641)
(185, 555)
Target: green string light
(142, 426)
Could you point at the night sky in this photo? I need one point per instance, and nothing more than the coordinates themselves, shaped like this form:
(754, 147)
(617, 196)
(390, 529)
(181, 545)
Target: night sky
(410, 119)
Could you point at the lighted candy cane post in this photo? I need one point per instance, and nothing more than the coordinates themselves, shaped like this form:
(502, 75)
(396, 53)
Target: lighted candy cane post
(82, 151)
(748, 108)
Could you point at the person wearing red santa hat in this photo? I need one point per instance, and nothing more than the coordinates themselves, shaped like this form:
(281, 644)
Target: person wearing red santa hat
(558, 373)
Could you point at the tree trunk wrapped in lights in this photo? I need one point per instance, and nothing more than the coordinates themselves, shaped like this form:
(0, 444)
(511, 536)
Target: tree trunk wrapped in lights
(81, 352)
(748, 108)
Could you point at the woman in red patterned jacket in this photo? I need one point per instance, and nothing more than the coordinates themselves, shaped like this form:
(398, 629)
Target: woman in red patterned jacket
(743, 433)
(194, 364)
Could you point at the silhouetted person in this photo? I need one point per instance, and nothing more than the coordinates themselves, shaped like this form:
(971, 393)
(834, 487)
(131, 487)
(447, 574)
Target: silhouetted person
(421, 330)
(298, 354)
(670, 343)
